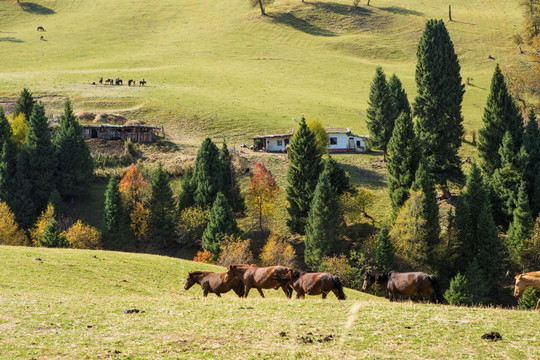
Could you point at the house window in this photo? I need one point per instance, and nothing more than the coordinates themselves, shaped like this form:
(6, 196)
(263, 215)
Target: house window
(333, 141)
(280, 143)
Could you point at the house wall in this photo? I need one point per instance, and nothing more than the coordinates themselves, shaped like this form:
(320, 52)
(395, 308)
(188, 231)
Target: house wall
(343, 143)
(276, 143)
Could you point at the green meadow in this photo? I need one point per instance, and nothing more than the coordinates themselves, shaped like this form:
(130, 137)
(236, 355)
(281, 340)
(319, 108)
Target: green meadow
(69, 304)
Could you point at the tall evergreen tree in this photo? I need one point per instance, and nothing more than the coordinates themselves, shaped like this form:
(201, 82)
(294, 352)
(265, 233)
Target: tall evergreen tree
(52, 236)
(114, 224)
(5, 128)
(222, 223)
(381, 112)
(22, 203)
(384, 251)
(75, 166)
(398, 95)
(41, 158)
(338, 177)
(323, 235)
(7, 160)
(520, 227)
(501, 115)
(231, 189)
(208, 174)
(187, 196)
(476, 283)
(438, 105)
(25, 104)
(302, 176)
(162, 209)
(531, 142)
(402, 161)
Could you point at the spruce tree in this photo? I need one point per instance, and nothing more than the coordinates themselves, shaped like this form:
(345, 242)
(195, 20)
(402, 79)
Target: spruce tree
(162, 209)
(501, 115)
(208, 174)
(477, 283)
(458, 292)
(22, 203)
(402, 161)
(5, 128)
(338, 177)
(25, 104)
(531, 142)
(302, 176)
(41, 158)
(398, 95)
(113, 225)
(381, 112)
(438, 105)
(231, 189)
(75, 166)
(52, 236)
(222, 223)
(186, 198)
(323, 235)
(7, 160)
(384, 251)
(520, 228)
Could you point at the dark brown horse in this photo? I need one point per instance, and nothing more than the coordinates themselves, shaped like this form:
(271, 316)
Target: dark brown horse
(315, 284)
(260, 278)
(212, 282)
(405, 284)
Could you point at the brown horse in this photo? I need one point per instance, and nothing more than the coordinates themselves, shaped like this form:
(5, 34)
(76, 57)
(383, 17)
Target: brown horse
(260, 278)
(212, 282)
(405, 284)
(522, 281)
(315, 284)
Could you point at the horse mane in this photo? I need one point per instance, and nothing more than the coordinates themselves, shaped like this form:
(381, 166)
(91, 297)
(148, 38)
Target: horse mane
(380, 275)
(198, 272)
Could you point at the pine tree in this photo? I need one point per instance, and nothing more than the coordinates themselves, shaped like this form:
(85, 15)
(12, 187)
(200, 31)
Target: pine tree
(22, 202)
(231, 189)
(520, 228)
(323, 236)
(458, 292)
(477, 283)
(5, 128)
(8, 160)
(384, 251)
(302, 176)
(531, 142)
(381, 112)
(338, 177)
(438, 105)
(52, 236)
(25, 104)
(398, 95)
(41, 158)
(114, 225)
(402, 161)
(501, 115)
(208, 174)
(222, 223)
(75, 166)
(162, 209)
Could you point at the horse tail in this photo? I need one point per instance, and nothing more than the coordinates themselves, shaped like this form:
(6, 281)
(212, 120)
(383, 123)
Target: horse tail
(437, 289)
(341, 294)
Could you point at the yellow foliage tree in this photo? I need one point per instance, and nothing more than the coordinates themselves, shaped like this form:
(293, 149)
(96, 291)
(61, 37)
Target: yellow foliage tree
(234, 250)
(10, 232)
(82, 236)
(139, 220)
(356, 205)
(41, 224)
(19, 128)
(192, 223)
(262, 193)
(277, 251)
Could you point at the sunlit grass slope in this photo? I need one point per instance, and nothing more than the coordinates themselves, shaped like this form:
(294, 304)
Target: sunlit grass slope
(220, 69)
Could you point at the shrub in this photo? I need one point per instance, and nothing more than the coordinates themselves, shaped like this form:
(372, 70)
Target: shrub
(10, 232)
(41, 224)
(191, 225)
(52, 237)
(234, 250)
(82, 236)
(277, 251)
(204, 257)
(528, 300)
(340, 267)
(458, 293)
(355, 205)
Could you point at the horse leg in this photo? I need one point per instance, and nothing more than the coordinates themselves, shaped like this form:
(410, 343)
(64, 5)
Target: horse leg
(287, 290)
(260, 292)
(218, 294)
(537, 305)
(324, 293)
(420, 296)
(246, 290)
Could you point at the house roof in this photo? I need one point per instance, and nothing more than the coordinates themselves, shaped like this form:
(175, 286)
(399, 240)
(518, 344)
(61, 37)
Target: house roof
(102, 126)
(272, 136)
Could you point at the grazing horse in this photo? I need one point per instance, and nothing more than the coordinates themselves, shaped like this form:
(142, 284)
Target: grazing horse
(315, 284)
(405, 284)
(522, 281)
(142, 82)
(40, 28)
(101, 80)
(260, 278)
(212, 282)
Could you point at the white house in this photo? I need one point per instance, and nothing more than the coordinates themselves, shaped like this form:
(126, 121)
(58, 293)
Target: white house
(340, 140)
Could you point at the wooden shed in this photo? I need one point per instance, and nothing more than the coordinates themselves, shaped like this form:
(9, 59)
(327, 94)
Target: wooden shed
(135, 133)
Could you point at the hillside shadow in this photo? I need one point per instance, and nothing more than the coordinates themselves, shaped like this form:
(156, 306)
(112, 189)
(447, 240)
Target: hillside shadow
(340, 8)
(300, 24)
(401, 11)
(10, 39)
(34, 8)
(371, 177)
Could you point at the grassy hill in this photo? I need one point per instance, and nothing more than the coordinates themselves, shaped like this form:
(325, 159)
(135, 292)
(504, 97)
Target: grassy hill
(69, 304)
(220, 69)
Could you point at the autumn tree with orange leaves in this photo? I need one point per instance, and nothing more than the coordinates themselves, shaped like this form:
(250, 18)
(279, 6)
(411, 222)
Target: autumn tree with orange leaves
(262, 193)
(135, 192)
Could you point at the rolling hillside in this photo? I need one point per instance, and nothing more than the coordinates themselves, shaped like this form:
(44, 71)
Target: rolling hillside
(220, 69)
(69, 304)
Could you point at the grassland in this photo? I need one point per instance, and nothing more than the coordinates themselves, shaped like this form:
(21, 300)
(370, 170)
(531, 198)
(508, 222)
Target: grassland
(220, 69)
(69, 304)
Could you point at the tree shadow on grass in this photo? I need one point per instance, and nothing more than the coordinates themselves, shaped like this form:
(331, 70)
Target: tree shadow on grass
(300, 24)
(341, 8)
(401, 11)
(10, 39)
(34, 8)
(365, 176)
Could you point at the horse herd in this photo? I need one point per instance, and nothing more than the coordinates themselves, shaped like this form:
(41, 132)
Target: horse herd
(119, 81)
(242, 278)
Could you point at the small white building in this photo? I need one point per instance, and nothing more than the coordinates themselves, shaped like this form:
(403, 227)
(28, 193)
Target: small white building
(272, 143)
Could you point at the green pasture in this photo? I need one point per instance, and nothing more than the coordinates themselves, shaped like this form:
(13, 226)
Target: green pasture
(69, 304)
(220, 69)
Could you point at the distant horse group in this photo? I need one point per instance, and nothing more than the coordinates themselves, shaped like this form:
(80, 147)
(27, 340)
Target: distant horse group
(119, 81)
(272, 277)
